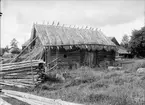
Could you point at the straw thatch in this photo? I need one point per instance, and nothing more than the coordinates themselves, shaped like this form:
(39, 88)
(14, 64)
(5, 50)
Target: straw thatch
(59, 35)
(122, 50)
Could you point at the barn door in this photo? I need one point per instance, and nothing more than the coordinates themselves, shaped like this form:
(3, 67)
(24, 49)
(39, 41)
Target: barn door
(90, 59)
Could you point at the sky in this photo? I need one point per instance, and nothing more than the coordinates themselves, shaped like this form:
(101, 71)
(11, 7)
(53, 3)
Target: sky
(113, 17)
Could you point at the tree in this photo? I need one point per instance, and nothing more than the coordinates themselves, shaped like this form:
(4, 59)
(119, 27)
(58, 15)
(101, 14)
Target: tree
(125, 41)
(14, 43)
(137, 42)
(7, 49)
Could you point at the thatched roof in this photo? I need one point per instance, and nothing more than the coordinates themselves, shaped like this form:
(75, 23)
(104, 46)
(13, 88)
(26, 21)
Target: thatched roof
(113, 39)
(122, 50)
(59, 35)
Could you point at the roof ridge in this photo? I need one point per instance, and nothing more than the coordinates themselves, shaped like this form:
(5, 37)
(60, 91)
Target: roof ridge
(65, 26)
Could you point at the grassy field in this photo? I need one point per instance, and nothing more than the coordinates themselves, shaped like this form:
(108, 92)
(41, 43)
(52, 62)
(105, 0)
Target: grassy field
(98, 87)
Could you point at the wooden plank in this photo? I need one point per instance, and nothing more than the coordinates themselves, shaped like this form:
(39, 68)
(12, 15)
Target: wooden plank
(53, 61)
(53, 67)
(3, 102)
(31, 102)
(38, 98)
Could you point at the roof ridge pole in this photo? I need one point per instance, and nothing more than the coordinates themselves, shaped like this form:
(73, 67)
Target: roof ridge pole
(58, 24)
(53, 23)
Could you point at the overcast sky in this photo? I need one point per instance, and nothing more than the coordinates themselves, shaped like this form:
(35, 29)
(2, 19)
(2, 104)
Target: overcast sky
(113, 17)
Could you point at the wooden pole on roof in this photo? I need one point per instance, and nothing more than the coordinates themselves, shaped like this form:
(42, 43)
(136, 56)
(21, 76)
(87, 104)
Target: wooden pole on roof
(53, 23)
(58, 24)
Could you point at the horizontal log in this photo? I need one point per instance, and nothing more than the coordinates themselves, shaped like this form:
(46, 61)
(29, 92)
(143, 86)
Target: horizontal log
(17, 69)
(10, 72)
(16, 83)
(19, 66)
(11, 84)
(17, 63)
(16, 77)
(23, 74)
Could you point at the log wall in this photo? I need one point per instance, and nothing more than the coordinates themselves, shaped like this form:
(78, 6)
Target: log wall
(80, 57)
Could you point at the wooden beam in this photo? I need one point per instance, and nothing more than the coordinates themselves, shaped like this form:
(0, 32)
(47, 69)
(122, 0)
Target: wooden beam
(31, 102)
(38, 98)
(2, 102)
(17, 63)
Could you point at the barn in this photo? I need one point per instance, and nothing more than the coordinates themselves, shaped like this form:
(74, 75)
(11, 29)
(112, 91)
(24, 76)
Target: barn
(68, 46)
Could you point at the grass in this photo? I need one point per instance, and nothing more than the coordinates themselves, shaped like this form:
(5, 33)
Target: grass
(92, 87)
(98, 87)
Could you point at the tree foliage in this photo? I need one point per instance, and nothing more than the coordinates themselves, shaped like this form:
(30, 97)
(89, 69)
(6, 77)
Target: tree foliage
(14, 43)
(125, 41)
(137, 42)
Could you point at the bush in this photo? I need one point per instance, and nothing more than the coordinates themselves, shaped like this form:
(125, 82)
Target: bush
(110, 75)
(99, 85)
(95, 98)
(138, 64)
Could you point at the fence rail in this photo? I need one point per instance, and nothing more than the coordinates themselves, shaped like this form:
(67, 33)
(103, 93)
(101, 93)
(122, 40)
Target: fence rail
(20, 72)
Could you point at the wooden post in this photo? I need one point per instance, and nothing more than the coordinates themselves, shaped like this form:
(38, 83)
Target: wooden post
(31, 66)
(57, 50)
(49, 56)
(46, 59)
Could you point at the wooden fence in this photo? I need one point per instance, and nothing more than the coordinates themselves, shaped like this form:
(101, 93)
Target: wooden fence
(21, 73)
